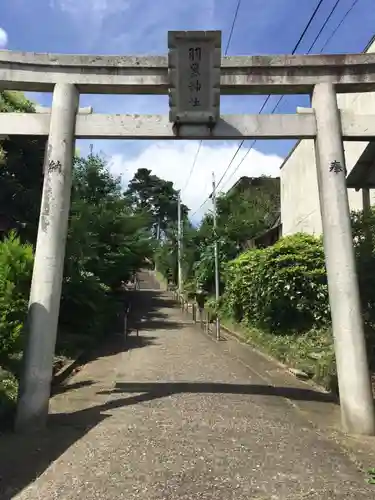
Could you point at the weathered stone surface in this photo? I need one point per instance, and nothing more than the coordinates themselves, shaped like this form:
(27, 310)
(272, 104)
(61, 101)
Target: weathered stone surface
(279, 74)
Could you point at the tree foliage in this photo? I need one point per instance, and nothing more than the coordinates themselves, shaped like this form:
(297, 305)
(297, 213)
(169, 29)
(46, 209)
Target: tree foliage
(21, 176)
(241, 216)
(244, 214)
(363, 225)
(16, 260)
(155, 197)
(282, 287)
(157, 200)
(107, 241)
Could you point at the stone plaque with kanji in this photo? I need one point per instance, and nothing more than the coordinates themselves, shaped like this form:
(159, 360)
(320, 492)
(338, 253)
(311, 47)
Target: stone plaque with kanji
(194, 72)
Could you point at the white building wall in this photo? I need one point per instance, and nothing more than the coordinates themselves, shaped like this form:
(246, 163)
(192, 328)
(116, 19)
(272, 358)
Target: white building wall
(300, 211)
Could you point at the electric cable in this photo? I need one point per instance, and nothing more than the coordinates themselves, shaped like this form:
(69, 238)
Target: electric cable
(339, 25)
(312, 17)
(226, 52)
(308, 52)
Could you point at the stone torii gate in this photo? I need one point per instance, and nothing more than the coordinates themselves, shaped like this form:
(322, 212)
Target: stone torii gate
(194, 75)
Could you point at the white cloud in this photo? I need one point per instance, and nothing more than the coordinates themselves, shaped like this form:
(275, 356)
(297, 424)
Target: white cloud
(90, 15)
(97, 9)
(173, 160)
(3, 38)
(148, 32)
(142, 30)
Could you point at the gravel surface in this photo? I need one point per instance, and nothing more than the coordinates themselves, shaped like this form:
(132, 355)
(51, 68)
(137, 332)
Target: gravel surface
(175, 415)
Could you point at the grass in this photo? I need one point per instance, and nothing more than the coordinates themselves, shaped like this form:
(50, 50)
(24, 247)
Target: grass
(311, 352)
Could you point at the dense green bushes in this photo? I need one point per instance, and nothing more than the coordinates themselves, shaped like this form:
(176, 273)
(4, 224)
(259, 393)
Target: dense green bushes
(280, 288)
(21, 175)
(284, 287)
(364, 244)
(84, 305)
(16, 260)
(279, 296)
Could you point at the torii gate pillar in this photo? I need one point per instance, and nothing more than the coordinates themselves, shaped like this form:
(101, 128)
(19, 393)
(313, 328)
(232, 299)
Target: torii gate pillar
(44, 304)
(357, 409)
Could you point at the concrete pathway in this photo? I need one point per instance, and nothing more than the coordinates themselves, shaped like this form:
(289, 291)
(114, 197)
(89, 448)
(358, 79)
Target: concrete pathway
(177, 415)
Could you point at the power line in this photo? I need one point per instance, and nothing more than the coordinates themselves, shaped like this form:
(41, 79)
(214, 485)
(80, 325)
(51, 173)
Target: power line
(339, 25)
(324, 25)
(332, 34)
(321, 50)
(240, 145)
(193, 166)
(282, 97)
(312, 17)
(317, 37)
(252, 144)
(232, 27)
(308, 25)
(225, 53)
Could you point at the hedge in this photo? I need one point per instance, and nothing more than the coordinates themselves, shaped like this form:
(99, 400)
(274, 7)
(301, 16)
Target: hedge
(16, 261)
(282, 288)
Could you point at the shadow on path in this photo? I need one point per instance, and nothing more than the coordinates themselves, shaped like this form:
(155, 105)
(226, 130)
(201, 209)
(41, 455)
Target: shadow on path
(162, 389)
(24, 458)
(61, 389)
(146, 312)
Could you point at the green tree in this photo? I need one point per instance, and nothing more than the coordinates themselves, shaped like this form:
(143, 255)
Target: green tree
(241, 216)
(156, 197)
(107, 241)
(245, 214)
(21, 172)
(106, 237)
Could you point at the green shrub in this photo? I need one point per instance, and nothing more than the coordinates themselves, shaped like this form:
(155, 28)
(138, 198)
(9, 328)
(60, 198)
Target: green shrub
(190, 289)
(85, 304)
(363, 227)
(8, 396)
(240, 279)
(212, 307)
(16, 260)
(281, 288)
(166, 261)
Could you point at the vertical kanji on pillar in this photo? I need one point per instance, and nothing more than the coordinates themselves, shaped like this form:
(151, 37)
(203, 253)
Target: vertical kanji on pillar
(356, 400)
(45, 293)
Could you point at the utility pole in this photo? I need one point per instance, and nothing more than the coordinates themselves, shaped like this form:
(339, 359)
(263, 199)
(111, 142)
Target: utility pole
(179, 245)
(216, 251)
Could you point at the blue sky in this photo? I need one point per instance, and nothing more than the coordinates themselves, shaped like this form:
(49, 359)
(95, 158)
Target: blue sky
(140, 27)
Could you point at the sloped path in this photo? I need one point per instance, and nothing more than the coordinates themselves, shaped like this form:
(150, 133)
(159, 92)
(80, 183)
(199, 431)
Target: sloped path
(176, 415)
